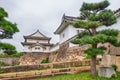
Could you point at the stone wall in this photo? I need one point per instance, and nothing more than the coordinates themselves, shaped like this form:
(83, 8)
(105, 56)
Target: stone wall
(62, 50)
(9, 61)
(46, 66)
(53, 56)
(111, 56)
(118, 62)
(66, 54)
(72, 54)
(33, 58)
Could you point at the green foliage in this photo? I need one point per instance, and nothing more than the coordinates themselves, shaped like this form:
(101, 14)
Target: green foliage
(3, 13)
(8, 27)
(94, 51)
(83, 33)
(102, 48)
(17, 54)
(107, 17)
(111, 36)
(117, 44)
(3, 64)
(8, 48)
(90, 39)
(87, 24)
(114, 66)
(87, 40)
(88, 56)
(75, 41)
(93, 16)
(99, 38)
(95, 6)
(109, 32)
(45, 60)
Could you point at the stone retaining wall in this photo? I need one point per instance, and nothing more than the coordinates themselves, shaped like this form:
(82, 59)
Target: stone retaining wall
(43, 73)
(46, 66)
(66, 54)
(33, 58)
(62, 50)
(75, 53)
(9, 61)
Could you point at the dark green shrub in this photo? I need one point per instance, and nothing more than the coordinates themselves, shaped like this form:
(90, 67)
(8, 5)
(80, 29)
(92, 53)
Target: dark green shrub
(45, 60)
(113, 76)
(114, 66)
(8, 48)
(17, 54)
(3, 64)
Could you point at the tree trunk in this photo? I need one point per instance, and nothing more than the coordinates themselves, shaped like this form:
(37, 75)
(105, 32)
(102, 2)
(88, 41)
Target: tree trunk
(93, 65)
(93, 60)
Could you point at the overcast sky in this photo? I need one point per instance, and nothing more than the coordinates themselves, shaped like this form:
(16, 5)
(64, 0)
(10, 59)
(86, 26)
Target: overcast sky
(44, 15)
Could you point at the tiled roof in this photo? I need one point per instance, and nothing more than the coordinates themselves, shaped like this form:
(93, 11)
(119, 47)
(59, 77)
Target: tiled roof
(68, 19)
(28, 43)
(37, 37)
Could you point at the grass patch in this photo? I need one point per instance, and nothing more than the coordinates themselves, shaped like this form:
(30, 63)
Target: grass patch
(45, 60)
(80, 76)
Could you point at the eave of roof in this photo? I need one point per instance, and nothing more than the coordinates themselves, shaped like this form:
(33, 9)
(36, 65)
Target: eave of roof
(38, 38)
(44, 44)
(31, 36)
(66, 20)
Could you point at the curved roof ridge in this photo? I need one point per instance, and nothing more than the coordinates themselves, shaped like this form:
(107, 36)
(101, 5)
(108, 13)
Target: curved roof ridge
(38, 32)
(43, 36)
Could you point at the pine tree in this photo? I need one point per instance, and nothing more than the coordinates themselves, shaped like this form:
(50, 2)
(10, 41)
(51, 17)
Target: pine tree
(7, 28)
(7, 48)
(93, 16)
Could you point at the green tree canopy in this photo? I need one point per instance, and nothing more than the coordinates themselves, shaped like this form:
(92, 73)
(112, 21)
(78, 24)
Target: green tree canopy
(7, 28)
(93, 16)
(8, 48)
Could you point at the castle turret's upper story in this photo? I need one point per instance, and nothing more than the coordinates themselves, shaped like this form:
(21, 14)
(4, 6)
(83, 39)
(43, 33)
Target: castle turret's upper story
(36, 42)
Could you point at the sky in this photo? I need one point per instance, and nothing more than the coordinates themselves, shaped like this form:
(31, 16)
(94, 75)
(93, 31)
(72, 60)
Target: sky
(45, 15)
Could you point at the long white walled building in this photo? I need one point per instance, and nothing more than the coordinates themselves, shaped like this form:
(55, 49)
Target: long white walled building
(66, 31)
